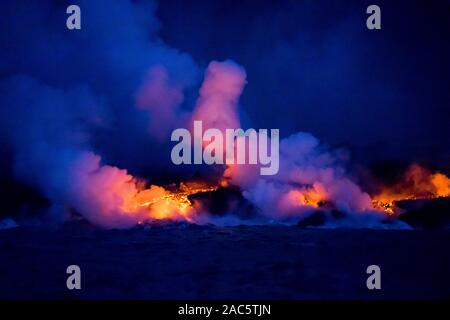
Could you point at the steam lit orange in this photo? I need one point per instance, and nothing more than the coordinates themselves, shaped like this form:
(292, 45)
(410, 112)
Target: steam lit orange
(313, 196)
(417, 183)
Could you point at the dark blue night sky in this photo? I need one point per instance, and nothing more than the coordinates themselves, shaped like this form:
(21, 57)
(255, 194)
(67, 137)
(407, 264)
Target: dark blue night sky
(313, 66)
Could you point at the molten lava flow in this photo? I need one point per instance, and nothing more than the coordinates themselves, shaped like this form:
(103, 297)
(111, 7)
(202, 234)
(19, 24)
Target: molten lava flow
(312, 197)
(113, 198)
(417, 183)
(161, 203)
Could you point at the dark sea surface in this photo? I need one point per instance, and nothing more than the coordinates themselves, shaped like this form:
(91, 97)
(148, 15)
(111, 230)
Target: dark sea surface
(184, 261)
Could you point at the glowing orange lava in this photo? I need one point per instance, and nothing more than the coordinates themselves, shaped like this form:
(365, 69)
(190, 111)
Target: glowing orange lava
(417, 183)
(159, 203)
(312, 197)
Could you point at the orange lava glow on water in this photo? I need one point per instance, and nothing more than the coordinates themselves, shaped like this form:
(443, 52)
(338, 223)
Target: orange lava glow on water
(417, 183)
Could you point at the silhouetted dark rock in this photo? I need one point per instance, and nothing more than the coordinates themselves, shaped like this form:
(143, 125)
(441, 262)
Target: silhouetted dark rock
(426, 213)
(317, 218)
(223, 201)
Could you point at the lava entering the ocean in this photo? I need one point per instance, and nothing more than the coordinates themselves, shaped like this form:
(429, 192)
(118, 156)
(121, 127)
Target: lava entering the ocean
(416, 183)
(169, 203)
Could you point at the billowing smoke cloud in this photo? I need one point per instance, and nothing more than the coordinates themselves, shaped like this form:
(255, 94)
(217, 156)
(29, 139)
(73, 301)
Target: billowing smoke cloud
(309, 174)
(111, 88)
(114, 54)
(162, 101)
(72, 121)
(219, 94)
(49, 129)
(110, 197)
